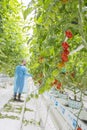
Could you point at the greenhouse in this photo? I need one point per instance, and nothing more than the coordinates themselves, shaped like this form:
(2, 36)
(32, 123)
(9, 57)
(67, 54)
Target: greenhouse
(43, 64)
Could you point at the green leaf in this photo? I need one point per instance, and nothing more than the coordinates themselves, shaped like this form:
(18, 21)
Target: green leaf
(26, 12)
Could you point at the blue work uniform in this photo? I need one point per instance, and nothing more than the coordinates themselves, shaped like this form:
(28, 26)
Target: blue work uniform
(21, 74)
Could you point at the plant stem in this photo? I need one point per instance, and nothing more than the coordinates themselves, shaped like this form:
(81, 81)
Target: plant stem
(81, 23)
(80, 109)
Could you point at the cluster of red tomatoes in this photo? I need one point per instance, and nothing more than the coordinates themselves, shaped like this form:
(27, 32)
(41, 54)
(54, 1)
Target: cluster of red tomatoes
(65, 46)
(57, 84)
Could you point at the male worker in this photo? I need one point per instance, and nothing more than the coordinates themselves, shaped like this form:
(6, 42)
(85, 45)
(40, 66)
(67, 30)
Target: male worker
(20, 77)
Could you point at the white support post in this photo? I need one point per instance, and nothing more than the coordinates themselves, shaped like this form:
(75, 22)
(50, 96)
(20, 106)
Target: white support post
(78, 49)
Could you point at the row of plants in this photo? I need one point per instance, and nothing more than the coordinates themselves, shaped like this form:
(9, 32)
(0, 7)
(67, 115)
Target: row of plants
(51, 51)
(12, 38)
(60, 27)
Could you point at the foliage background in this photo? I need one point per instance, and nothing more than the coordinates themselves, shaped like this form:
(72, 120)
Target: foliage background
(12, 38)
(50, 20)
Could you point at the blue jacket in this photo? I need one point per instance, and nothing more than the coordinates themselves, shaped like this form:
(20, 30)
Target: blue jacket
(21, 74)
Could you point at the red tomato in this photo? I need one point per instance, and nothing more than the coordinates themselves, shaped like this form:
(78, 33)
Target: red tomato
(68, 34)
(65, 45)
(79, 128)
(66, 52)
(55, 81)
(59, 85)
(64, 57)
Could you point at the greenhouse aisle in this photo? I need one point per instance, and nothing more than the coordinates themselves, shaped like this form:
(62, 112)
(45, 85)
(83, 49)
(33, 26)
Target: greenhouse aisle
(42, 113)
(34, 116)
